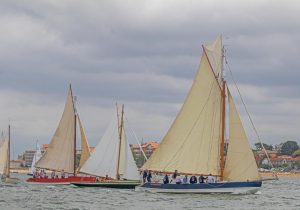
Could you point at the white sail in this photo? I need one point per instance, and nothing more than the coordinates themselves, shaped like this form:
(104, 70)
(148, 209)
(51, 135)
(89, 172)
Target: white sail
(103, 159)
(240, 164)
(192, 144)
(37, 156)
(85, 148)
(60, 153)
(128, 168)
(4, 147)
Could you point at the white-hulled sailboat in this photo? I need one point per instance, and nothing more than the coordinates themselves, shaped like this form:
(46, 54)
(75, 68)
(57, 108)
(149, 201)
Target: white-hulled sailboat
(112, 159)
(194, 144)
(60, 156)
(5, 160)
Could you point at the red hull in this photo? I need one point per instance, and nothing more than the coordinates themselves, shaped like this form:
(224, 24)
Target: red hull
(67, 180)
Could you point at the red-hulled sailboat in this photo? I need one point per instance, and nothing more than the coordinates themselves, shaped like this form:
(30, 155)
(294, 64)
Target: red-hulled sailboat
(61, 153)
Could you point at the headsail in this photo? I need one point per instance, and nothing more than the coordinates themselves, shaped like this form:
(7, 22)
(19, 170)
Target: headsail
(240, 164)
(85, 148)
(60, 153)
(193, 141)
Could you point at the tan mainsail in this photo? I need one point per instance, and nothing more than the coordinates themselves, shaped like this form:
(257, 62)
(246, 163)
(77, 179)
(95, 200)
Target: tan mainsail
(60, 153)
(85, 149)
(4, 147)
(240, 163)
(193, 141)
(214, 54)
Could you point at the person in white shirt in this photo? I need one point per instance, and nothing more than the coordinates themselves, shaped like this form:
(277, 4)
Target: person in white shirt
(211, 179)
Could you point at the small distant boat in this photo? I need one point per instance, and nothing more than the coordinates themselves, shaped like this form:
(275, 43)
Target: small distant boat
(5, 160)
(194, 144)
(61, 153)
(112, 159)
(37, 156)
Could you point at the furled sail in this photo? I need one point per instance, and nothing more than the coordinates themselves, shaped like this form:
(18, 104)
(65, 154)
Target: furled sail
(36, 157)
(105, 157)
(85, 148)
(192, 143)
(60, 153)
(4, 147)
(240, 164)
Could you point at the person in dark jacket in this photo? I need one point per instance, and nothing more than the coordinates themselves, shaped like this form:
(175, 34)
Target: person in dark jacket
(193, 180)
(149, 176)
(201, 178)
(166, 179)
(145, 176)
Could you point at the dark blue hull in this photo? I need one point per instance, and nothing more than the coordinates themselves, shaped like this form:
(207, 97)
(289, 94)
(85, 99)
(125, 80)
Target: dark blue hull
(221, 187)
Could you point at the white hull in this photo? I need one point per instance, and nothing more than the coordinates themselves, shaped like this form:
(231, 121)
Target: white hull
(240, 190)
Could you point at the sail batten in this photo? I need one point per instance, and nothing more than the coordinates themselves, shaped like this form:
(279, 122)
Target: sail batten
(60, 153)
(240, 164)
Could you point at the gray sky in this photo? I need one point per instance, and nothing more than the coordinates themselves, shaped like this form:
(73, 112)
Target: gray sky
(144, 54)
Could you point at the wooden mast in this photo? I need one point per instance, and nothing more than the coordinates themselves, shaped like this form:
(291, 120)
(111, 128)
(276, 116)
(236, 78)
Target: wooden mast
(74, 167)
(120, 129)
(223, 111)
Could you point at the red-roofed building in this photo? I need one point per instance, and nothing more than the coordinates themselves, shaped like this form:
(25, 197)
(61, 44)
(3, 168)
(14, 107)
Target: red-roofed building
(148, 148)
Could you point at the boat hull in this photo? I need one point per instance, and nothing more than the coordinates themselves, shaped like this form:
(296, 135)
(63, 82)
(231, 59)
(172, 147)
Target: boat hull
(60, 181)
(202, 188)
(112, 184)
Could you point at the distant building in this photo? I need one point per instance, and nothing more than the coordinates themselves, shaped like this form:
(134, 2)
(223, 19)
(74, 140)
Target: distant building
(15, 164)
(148, 148)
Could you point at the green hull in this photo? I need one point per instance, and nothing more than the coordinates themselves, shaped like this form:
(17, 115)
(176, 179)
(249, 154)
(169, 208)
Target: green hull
(112, 184)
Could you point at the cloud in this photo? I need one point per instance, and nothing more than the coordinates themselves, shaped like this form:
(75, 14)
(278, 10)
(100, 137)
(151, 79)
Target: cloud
(144, 54)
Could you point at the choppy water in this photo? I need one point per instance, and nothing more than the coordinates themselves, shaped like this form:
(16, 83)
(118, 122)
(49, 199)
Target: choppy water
(282, 194)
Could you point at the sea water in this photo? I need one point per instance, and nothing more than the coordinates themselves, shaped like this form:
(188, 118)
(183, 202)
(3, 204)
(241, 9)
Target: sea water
(281, 194)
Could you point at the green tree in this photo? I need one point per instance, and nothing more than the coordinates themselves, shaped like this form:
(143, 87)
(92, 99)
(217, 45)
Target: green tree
(296, 153)
(289, 147)
(266, 146)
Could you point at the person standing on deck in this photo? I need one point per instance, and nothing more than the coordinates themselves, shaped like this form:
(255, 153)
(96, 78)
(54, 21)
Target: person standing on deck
(145, 174)
(174, 176)
(149, 176)
(166, 179)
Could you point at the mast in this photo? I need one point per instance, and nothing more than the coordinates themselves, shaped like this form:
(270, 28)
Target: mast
(75, 122)
(8, 158)
(223, 111)
(120, 126)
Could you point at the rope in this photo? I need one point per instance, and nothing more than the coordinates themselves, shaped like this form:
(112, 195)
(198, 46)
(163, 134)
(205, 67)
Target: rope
(136, 138)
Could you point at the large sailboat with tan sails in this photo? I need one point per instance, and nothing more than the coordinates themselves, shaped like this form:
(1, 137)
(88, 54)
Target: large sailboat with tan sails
(195, 142)
(60, 156)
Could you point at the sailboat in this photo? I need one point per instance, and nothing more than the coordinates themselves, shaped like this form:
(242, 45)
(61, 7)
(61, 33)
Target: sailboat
(61, 153)
(195, 142)
(5, 160)
(37, 156)
(112, 159)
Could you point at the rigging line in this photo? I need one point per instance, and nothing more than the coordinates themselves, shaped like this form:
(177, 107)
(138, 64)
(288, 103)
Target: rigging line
(251, 121)
(136, 138)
